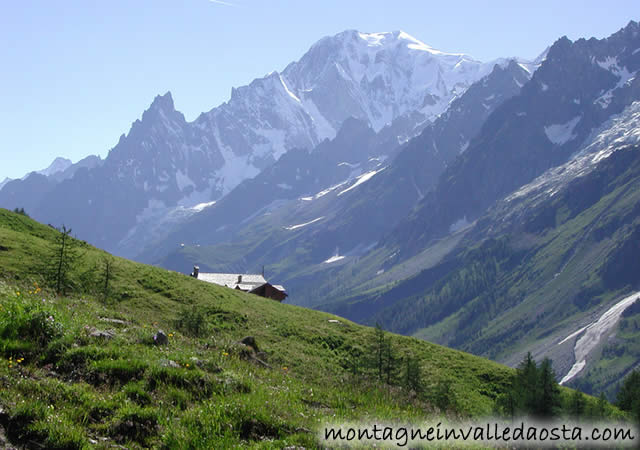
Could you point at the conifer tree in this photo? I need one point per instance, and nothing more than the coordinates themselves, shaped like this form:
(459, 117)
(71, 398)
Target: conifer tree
(628, 398)
(384, 361)
(601, 407)
(390, 363)
(525, 386)
(20, 211)
(412, 379)
(548, 402)
(577, 404)
(61, 262)
(107, 276)
(534, 390)
(379, 351)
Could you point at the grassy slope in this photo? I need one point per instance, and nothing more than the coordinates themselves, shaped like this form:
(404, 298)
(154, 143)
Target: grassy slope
(77, 390)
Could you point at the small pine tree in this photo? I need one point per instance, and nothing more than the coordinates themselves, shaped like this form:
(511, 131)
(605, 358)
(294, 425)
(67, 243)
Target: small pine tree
(577, 404)
(507, 404)
(20, 211)
(353, 362)
(444, 397)
(108, 266)
(601, 411)
(63, 259)
(390, 363)
(412, 379)
(379, 351)
(384, 362)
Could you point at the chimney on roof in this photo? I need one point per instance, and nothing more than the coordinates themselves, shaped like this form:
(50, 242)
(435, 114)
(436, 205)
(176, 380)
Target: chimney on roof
(196, 271)
(239, 279)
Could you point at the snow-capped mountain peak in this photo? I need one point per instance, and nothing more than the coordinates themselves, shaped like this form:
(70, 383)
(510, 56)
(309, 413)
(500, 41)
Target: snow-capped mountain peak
(380, 39)
(165, 162)
(58, 165)
(379, 77)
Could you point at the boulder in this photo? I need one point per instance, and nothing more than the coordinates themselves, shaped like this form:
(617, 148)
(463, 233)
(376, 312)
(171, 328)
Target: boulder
(169, 363)
(102, 334)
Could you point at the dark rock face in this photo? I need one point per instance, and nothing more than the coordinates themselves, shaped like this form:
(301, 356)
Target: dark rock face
(577, 87)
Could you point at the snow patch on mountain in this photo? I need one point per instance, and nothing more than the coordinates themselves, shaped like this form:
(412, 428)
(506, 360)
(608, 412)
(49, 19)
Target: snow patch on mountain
(200, 206)
(291, 94)
(183, 181)
(236, 168)
(333, 259)
(58, 165)
(621, 129)
(459, 224)
(594, 333)
(154, 223)
(326, 191)
(361, 179)
(300, 225)
(562, 133)
(625, 77)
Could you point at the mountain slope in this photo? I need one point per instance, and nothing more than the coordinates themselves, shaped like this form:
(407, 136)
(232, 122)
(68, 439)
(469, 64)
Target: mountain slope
(295, 174)
(578, 87)
(349, 189)
(28, 191)
(95, 360)
(538, 269)
(525, 242)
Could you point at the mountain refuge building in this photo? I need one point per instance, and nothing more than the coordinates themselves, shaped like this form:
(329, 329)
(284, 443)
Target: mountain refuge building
(251, 283)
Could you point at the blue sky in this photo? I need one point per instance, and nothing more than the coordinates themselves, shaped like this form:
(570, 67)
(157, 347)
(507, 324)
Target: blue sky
(75, 74)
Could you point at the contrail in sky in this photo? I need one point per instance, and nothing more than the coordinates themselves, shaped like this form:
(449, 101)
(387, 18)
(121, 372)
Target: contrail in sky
(221, 2)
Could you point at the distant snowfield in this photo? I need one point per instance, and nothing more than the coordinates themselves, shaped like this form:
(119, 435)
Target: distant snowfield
(361, 179)
(621, 129)
(200, 206)
(562, 133)
(300, 225)
(593, 334)
(334, 258)
(324, 192)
